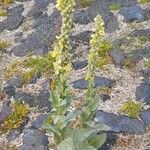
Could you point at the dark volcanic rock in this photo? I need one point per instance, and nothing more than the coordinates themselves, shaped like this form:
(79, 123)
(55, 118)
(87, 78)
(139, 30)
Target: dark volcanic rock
(34, 139)
(38, 8)
(13, 135)
(145, 72)
(5, 112)
(97, 7)
(121, 2)
(104, 97)
(143, 93)
(140, 32)
(120, 123)
(39, 121)
(145, 116)
(132, 13)
(40, 100)
(40, 41)
(14, 81)
(110, 141)
(14, 18)
(10, 90)
(18, 36)
(118, 57)
(16, 132)
(138, 54)
(99, 82)
(83, 37)
(80, 64)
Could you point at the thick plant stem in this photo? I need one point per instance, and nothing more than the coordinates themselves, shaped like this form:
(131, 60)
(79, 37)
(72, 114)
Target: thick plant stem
(96, 41)
(62, 68)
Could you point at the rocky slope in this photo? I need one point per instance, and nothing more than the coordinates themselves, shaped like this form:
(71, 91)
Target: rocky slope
(31, 27)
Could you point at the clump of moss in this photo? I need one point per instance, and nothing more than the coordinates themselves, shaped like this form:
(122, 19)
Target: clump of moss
(147, 63)
(115, 6)
(15, 119)
(7, 2)
(4, 44)
(83, 3)
(144, 1)
(29, 67)
(132, 109)
(3, 12)
(144, 39)
(103, 90)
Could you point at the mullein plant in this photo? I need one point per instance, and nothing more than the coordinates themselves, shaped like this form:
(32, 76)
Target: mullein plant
(74, 129)
(59, 118)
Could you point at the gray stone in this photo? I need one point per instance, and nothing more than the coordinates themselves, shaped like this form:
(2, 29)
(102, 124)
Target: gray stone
(140, 32)
(145, 116)
(121, 2)
(14, 81)
(146, 73)
(18, 36)
(34, 139)
(97, 7)
(132, 13)
(104, 97)
(10, 90)
(42, 3)
(81, 17)
(40, 100)
(119, 123)
(41, 40)
(118, 57)
(110, 141)
(147, 13)
(22, 0)
(83, 37)
(138, 54)
(99, 82)
(38, 8)
(143, 93)
(35, 78)
(80, 64)
(14, 19)
(39, 121)
(16, 132)
(13, 135)
(5, 112)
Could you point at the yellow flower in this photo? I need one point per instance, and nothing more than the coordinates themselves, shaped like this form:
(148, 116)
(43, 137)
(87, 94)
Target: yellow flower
(55, 53)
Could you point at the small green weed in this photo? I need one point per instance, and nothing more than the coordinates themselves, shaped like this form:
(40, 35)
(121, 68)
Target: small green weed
(103, 57)
(15, 119)
(144, 39)
(3, 13)
(132, 109)
(83, 3)
(115, 6)
(144, 1)
(4, 44)
(147, 63)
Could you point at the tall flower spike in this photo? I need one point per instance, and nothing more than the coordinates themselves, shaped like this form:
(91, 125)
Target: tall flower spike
(96, 41)
(63, 47)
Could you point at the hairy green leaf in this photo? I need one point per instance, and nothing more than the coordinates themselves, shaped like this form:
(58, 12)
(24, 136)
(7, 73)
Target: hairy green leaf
(66, 144)
(97, 141)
